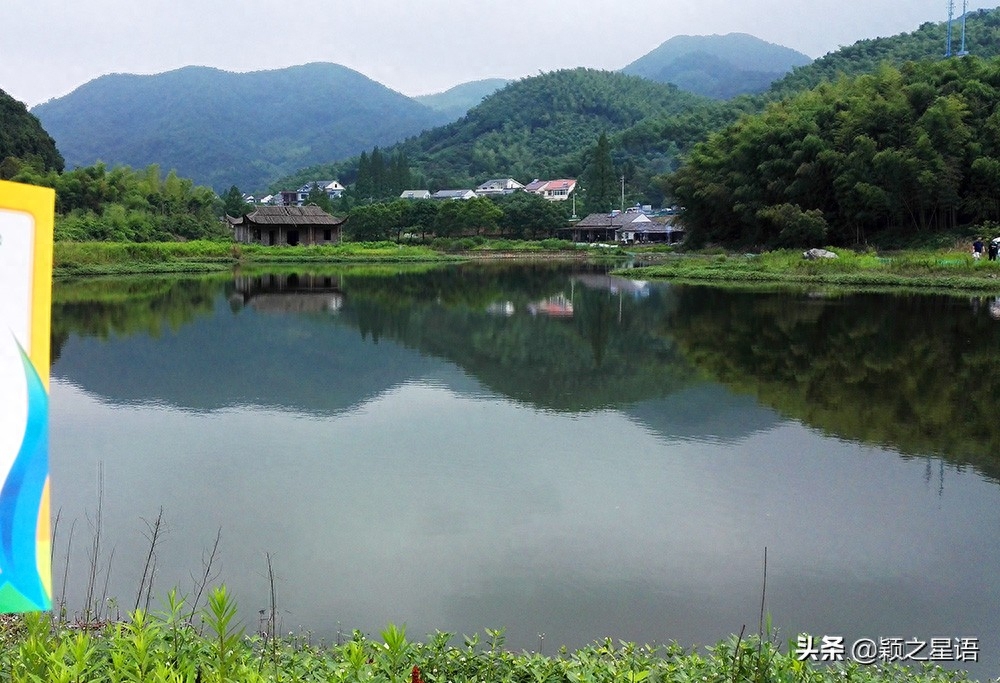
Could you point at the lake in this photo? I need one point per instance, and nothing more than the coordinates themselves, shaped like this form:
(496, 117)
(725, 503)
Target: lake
(544, 448)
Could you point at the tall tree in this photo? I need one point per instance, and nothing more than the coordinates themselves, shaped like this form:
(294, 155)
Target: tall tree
(232, 202)
(600, 177)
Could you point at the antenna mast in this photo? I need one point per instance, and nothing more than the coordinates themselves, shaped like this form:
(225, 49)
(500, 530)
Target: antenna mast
(963, 51)
(951, 13)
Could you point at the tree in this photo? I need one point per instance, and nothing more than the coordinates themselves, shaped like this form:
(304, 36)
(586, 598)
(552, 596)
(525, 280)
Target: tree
(600, 177)
(233, 203)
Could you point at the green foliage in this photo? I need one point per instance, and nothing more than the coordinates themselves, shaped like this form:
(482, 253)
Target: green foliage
(541, 127)
(898, 153)
(927, 43)
(600, 178)
(125, 205)
(23, 138)
(233, 204)
(141, 649)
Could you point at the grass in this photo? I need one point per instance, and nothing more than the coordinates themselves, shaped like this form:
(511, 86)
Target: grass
(122, 258)
(939, 269)
(173, 645)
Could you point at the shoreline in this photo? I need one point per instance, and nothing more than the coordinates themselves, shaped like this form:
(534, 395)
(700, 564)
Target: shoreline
(918, 270)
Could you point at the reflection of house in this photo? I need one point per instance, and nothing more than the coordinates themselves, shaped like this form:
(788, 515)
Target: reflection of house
(553, 190)
(289, 293)
(415, 194)
(558, 306)
(291, 225)
(498, 186)
(639, 289)
(454, 194)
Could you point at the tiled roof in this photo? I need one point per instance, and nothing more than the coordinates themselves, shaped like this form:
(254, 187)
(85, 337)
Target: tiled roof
(290, 215)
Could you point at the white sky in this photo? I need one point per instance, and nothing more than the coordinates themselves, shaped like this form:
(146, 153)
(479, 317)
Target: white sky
(50, 47)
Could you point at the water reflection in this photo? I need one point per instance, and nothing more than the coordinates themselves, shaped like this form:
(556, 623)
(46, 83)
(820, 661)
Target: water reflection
(914, 373)
(430, 452)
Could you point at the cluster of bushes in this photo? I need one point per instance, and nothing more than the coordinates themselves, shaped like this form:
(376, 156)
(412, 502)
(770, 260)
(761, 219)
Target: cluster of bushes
(181, 645)
(125, 205)
(898, 154)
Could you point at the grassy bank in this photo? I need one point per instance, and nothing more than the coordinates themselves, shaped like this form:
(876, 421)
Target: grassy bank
(112, 258)
(939, 269)
(180, 644)
(104, 258)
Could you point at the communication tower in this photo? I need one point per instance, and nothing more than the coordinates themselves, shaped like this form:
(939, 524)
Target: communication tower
(951, 20)
(951, 14)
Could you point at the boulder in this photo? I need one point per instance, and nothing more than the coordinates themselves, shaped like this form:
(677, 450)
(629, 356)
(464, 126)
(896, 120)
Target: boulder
(814, 254)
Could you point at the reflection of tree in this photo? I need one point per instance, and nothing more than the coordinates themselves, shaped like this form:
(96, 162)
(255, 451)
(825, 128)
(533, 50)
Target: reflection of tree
(609, 353)
(918, 374)
(596, 319)
(105, 307)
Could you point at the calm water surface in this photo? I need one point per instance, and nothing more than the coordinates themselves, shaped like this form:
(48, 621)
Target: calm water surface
(541, 448)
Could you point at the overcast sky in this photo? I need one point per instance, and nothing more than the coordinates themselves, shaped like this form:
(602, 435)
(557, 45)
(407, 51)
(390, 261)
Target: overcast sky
(50, 47)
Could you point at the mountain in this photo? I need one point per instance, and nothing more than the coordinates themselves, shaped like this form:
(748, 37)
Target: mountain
(718, 66)
(455, 102)
(534, 128)
(21, 135)
(926, 43)
(221, 128)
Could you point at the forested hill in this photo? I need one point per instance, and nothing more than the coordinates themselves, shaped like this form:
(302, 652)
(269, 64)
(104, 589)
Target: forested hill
(927, 42)
(537, 127)
(719, 66)
(896, 156)
(221, 128)
(22, 136)
(455, 102)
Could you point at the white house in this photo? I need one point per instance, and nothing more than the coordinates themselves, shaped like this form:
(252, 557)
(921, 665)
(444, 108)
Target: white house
(332, 188)
(415, 194)
(552, 190)
(498, 186)
(454, 194)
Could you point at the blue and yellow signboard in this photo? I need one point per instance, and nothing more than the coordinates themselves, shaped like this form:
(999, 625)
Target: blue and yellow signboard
(26, 222)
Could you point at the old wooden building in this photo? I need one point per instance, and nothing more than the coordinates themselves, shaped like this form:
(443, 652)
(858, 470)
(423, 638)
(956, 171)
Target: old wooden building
(286, 225)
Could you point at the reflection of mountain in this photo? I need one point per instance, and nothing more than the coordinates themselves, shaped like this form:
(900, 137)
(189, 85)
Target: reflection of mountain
(296, 362)
(915, 373)
(704, 409)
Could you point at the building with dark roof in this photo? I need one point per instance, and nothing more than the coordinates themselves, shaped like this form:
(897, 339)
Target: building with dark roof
(286, 225)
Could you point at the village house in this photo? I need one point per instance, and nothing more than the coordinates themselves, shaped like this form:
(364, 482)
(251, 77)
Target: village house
(630, 227)
(286, 225)
(415, 194)
(332, 188)
(454, 194)
(498, 186)
(552, 190)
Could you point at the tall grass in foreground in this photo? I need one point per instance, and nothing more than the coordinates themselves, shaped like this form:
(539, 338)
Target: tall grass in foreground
(175, 645)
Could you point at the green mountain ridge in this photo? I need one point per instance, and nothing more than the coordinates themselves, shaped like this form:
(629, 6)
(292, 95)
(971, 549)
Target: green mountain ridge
(222, 128)
(456, 101)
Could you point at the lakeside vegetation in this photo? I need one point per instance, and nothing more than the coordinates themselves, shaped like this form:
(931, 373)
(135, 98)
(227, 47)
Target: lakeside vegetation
(938, 269)
(202, 256)
(180, 644)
